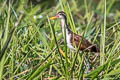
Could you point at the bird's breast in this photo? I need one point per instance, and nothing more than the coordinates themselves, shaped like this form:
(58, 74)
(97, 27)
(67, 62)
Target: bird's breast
(68, 39)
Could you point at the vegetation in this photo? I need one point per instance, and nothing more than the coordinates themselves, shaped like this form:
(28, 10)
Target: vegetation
(32, 48)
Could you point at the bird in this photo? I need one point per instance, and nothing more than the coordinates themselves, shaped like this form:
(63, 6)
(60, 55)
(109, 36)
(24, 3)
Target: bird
(74, 40)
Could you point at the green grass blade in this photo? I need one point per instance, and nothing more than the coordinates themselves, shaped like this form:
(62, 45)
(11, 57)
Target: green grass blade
(39, 70)
(2, 67)
(53, 31)
(103, 30)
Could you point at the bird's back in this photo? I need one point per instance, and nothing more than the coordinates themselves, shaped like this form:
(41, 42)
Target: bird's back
(85, 45)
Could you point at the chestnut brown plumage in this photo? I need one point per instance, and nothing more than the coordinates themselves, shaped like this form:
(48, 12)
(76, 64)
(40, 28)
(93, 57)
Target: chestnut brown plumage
(74, 40)
(84, 44)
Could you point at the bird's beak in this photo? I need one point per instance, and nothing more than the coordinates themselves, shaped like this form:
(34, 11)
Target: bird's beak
(54, 17)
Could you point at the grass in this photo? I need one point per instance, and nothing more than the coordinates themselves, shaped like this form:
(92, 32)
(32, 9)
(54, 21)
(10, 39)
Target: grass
(31, 44)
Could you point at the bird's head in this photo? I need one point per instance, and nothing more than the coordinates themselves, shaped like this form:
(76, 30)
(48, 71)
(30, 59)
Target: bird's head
(60, 15)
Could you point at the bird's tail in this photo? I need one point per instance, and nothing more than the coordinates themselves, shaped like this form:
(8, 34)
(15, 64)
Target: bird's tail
(95, 49)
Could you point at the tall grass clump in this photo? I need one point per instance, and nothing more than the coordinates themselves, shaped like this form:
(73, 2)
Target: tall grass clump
(33, 47)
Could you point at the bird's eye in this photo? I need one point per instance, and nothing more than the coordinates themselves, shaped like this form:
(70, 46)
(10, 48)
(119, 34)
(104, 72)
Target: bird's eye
(60, 14)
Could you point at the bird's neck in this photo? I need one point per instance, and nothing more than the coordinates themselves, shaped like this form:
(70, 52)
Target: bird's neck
(64, 27)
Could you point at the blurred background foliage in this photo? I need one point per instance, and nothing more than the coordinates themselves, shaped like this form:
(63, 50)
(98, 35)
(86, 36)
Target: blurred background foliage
(28, 49)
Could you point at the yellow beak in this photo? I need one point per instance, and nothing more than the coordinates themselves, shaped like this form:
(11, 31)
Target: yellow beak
(54, 17)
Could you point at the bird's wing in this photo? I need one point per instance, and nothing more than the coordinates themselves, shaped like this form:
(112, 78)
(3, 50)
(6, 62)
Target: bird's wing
(79, 40)
(84, 44)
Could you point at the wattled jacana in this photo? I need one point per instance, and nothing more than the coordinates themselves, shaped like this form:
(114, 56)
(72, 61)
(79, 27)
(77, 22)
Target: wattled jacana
(73, 39)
